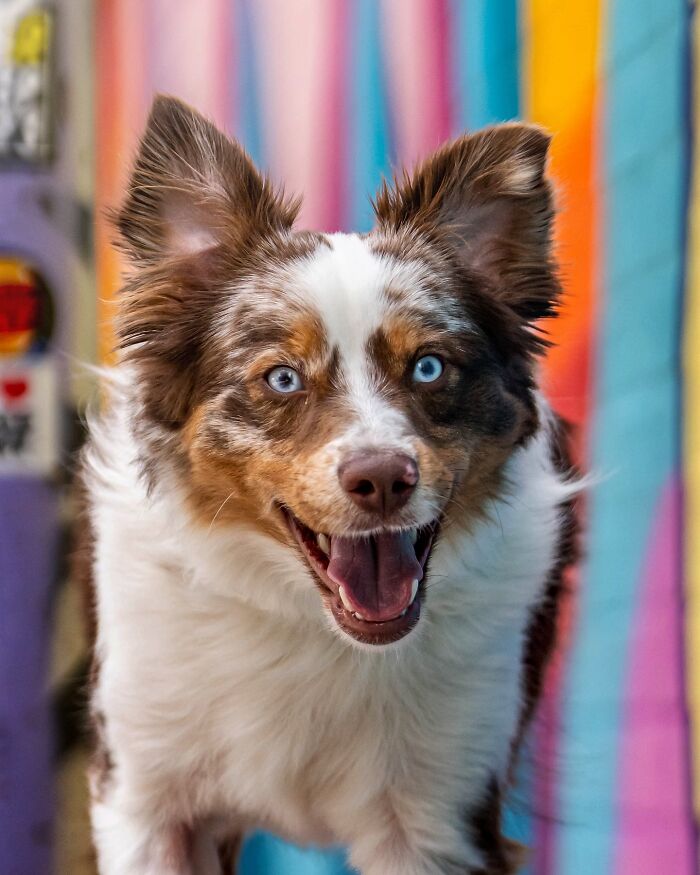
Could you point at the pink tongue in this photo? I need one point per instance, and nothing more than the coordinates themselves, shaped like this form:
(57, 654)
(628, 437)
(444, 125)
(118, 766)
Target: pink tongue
(376, 573)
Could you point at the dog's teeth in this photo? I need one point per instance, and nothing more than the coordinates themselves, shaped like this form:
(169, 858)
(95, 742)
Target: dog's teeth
(324, 543)
(404, 612)
(414, 591)
(358, 616)
(414, 536)
(344, 599)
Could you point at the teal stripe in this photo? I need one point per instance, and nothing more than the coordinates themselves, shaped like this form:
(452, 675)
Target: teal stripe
(369, 153)
(249, 129)
(267, 855)
(487, 61)
(636, 433)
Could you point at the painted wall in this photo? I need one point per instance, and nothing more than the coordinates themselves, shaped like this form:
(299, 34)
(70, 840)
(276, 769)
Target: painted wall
(43, 164)
(331, 94)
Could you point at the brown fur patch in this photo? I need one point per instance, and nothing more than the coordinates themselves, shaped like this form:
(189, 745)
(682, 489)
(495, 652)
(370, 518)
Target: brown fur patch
(503, 856)
(82, 574)
(229, 855)
(82, 557)
(541, 636)
(101, 761)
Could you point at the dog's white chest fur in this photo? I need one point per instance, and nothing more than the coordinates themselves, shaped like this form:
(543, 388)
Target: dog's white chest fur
(229, 703)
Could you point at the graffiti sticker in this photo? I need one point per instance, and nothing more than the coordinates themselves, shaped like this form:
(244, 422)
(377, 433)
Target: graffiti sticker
(28, 380)
(26, 312)
(25, 48)
(29, 433)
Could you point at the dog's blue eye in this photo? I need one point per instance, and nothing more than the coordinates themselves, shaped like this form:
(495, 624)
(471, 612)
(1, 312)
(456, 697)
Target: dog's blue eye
(284, 380)
(428, 368)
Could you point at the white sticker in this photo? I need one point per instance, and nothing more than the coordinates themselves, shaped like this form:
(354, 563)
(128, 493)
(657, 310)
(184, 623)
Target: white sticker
(29, 416)
(25, 49)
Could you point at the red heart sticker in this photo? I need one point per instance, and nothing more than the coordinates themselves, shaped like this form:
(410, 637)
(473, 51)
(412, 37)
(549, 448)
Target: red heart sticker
(14, 388)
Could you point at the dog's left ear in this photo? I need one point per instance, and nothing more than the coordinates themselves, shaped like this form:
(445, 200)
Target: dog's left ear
(487, 199)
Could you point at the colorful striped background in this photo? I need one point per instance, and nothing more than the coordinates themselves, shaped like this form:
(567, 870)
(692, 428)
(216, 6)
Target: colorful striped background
(330, 95)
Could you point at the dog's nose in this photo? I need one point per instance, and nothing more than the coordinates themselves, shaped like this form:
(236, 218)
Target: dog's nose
(379, 482)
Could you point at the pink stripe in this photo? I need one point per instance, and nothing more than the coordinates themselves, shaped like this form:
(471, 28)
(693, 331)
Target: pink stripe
(418, 50)
(444, 94)
(189, 54)
(131, 38)
(655, 831)
(291, 39)
(334, 110)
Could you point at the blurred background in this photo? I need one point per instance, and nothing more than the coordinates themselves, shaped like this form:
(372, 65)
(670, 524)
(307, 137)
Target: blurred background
(329, 96)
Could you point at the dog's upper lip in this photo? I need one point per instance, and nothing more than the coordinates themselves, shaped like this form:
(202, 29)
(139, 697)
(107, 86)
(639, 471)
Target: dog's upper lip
(372, 581)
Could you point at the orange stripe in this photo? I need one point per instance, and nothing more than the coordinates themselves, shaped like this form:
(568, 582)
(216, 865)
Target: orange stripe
(561, 85)
(120, 111)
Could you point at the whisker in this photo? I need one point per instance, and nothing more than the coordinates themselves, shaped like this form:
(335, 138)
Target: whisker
(221, 507)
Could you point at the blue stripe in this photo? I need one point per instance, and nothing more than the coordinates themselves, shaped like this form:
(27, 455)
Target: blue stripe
(636, 435)
(249, 129)
(369, 152)
(487, 61)
(268, 855)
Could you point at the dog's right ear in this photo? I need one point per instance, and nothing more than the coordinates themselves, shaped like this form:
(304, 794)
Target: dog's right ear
(193, 189)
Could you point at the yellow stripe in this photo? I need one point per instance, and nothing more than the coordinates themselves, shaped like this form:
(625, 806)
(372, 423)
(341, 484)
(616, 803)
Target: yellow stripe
(561, 51)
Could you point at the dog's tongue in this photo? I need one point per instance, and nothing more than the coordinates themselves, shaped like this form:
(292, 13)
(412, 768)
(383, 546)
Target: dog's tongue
(376, 573)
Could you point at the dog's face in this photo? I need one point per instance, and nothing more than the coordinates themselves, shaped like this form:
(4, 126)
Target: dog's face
(347, 395)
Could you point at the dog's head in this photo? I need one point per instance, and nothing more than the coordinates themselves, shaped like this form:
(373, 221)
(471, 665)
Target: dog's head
(347, 394)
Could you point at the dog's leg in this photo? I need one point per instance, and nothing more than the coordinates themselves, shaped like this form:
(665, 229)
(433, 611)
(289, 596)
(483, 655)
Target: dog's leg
(410, 837)
(128, 844)
(135, 838)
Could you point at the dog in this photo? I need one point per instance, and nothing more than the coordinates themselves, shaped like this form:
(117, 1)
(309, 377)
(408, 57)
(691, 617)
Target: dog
(329, 511)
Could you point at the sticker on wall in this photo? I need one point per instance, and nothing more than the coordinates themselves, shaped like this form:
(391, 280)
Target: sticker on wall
(29, 437)
(29, 400)
(26, 36)
(26, 310)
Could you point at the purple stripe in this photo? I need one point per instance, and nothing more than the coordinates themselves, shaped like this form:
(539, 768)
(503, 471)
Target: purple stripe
(28, 546)
(655, 831)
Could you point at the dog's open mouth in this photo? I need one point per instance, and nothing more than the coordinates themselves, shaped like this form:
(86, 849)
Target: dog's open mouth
(372, 584)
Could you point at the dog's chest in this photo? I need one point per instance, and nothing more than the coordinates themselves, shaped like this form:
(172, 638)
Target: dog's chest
(298, 727)
(277, 724)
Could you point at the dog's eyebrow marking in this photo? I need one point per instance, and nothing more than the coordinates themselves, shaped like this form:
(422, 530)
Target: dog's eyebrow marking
(345, 283)
(353, 287)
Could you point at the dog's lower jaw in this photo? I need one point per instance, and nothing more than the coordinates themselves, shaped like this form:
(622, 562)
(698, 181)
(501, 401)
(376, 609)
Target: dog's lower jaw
(381, 631)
